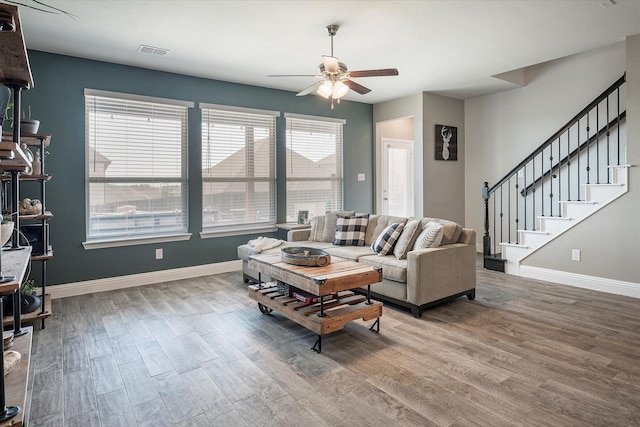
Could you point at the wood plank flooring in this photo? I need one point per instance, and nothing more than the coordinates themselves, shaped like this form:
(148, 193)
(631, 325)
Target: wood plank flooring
(199, 353)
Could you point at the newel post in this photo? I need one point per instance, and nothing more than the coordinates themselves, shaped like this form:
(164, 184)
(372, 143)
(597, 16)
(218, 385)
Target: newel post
(486, 239)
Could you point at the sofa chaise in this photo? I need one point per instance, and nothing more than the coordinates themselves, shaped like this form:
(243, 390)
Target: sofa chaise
(424, 261)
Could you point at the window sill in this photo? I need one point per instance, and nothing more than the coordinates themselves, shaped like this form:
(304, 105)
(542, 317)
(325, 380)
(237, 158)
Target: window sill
(114, 243)
(237, 231)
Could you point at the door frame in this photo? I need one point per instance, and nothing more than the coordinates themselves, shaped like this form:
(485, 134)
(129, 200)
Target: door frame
(380, 173)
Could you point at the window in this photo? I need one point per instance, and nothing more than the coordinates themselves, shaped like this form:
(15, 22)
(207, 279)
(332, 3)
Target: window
(136, 160)
(238, 168)
(314, 165)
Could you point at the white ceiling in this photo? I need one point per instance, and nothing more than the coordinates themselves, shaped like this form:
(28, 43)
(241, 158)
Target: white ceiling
(445, 47)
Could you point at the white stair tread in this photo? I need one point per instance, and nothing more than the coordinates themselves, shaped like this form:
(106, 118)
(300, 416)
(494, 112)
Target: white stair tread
(579, 202)
(561, 218)
(605, 184)
(534, 232)
(514, 245)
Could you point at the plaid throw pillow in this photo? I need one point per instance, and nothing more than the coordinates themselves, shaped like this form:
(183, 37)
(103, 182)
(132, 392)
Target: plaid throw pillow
(387, 239)
(350, 230)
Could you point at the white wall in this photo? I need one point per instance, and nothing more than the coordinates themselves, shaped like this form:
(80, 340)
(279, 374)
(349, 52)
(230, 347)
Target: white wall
(503, 128)
(383, 114)
(444, 185)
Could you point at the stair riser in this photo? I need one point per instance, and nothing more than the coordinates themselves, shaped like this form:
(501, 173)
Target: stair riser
(534, 240)
(578, 210)
(603, 193)
(554, 226)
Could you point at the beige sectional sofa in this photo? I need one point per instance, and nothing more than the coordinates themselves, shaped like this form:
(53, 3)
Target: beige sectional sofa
(416, 278)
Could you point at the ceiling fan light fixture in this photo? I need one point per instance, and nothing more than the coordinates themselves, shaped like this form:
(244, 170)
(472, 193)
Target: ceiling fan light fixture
(339, 90)
(325, 90)
(333, 90)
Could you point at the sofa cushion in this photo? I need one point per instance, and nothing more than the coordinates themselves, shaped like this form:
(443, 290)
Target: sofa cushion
(408, 237)
(387, 239)
(392, 268)
(350, 230)
(450, 233)
(352, 253)
(430, 237)
(330, 221)
(317, 228)
(377, 223)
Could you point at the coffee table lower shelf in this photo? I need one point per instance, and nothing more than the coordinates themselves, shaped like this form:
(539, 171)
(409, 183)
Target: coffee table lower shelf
(337, 313)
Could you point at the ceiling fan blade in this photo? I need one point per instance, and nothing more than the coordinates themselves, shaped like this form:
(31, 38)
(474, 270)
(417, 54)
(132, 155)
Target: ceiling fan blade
(310, 89)
(356, 87)
(293, 75)
(374, 73)
(331, 64)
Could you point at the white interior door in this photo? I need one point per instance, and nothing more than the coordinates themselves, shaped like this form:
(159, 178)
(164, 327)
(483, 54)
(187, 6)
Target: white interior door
(397, 177)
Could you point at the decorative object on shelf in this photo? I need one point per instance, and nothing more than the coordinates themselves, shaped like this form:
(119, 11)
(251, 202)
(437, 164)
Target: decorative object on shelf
(30, 207)
(310, 257)
(446, 142)
(6, 230)
(11, 358)
(29, 154)
(303, 217)
(7, 339)
(5, 98)
(29, 125)
(30, 302)
(36, 165)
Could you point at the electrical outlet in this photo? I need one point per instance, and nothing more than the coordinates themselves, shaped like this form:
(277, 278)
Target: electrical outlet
(360, 177)
(159, 253)
(575, 254)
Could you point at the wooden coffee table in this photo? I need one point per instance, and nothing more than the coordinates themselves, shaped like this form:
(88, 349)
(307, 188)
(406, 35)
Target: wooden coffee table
(323, 317)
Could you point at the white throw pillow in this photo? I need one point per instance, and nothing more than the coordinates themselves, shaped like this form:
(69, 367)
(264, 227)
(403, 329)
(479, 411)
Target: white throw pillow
(430, 237)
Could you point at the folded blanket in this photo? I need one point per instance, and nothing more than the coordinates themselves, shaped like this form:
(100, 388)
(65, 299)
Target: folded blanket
(263, 243)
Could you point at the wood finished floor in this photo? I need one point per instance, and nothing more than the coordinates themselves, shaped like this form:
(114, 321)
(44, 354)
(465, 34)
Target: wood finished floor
(199, 353)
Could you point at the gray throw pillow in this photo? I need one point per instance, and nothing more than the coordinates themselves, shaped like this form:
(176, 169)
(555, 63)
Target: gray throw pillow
(317, 229)
(407, 238)
(330, 221)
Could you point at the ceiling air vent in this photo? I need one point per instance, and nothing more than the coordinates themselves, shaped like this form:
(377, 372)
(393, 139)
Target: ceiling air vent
(157, 51)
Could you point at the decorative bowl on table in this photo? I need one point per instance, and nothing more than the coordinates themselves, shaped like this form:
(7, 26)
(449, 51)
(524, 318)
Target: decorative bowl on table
(310, 257)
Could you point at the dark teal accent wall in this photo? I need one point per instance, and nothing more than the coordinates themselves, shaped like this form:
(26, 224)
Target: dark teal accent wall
(57, 100)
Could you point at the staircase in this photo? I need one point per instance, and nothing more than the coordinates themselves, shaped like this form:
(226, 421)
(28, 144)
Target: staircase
(572, 213)
(575, 173)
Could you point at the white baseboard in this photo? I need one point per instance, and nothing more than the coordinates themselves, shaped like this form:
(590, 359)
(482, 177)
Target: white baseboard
(601, 284)
(121, 282)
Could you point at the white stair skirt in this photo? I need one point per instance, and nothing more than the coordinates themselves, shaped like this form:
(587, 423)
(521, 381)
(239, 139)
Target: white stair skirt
(573, 212)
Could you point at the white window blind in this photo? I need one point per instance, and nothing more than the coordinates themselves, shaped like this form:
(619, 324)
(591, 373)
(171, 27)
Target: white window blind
(238, 168)
(314, 165)
(136, 159)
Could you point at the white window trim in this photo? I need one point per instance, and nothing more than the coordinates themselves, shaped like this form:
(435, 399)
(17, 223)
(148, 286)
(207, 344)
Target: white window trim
(139, 240)
(235, 230)
(115, 243)
(314, 118)
(140, 98)
(205, 106)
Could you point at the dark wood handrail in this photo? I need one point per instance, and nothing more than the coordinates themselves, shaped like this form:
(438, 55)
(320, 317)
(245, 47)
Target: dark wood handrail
(562, 130)
(612, 124)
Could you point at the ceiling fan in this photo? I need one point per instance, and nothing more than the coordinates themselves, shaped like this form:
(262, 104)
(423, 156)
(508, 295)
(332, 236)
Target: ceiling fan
(335, 78)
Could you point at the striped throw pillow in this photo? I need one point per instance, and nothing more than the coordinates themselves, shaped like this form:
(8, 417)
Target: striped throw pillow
(385, 242)
(430, 237)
